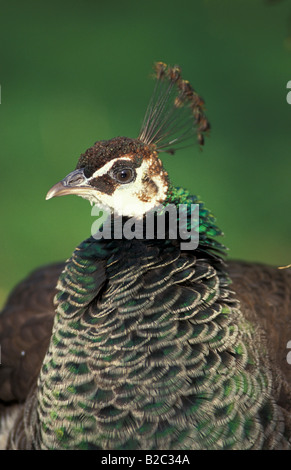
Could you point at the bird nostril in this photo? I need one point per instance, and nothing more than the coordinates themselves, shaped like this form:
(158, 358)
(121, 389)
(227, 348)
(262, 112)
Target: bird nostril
(74, 179)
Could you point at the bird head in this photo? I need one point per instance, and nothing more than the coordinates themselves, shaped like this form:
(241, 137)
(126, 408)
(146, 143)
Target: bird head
(122, 175)
(126, 176)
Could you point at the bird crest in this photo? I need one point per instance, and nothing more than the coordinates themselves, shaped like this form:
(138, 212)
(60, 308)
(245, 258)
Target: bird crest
(175, 113)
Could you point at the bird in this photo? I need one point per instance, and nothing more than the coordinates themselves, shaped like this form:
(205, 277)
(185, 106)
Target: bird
(143, 342)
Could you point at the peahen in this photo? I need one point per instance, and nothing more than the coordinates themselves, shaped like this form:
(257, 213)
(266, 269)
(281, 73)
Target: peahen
(143, 342)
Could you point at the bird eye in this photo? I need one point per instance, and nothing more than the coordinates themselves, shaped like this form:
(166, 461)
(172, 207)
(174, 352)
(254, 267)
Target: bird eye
(125, 175)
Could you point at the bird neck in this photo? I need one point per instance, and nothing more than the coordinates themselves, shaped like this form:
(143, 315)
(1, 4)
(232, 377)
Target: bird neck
(182, 219)
(206, 227)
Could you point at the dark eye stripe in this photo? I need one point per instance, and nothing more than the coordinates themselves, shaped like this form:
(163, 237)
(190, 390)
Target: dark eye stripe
(105, 184)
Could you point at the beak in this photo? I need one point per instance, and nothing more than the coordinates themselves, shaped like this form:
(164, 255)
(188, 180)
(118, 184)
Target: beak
(74, 183)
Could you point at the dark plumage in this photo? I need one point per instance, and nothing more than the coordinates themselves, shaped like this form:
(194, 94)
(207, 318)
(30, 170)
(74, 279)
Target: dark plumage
(147, 345)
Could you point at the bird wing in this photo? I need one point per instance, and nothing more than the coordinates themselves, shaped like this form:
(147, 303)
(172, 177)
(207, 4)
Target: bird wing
(25, 330)
(265, 296)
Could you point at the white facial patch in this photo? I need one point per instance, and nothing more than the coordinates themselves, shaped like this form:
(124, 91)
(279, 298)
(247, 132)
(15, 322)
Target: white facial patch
(129, 199)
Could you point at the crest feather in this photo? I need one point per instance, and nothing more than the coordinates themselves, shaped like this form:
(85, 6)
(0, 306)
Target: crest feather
(175, 113)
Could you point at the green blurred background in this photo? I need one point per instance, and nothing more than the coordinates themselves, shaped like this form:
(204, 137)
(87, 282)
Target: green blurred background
(75, 72)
